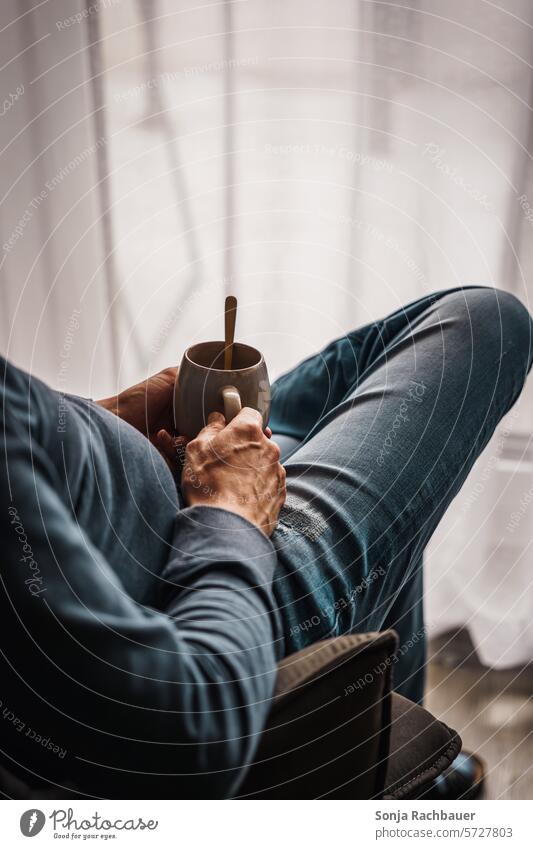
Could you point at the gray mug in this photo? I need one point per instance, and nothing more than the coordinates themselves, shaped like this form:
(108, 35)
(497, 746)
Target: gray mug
(204, 386)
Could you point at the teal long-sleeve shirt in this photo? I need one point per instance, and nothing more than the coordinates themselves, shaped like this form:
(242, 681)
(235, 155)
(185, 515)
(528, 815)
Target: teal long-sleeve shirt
(139, 638)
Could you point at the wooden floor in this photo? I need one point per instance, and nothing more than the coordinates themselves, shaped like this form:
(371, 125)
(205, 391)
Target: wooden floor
(492, 711)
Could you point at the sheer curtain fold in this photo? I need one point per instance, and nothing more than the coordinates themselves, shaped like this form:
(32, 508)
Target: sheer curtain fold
(52, 262)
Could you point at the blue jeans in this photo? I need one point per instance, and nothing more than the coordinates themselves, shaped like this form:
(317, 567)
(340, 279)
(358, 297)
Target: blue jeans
(380, 431)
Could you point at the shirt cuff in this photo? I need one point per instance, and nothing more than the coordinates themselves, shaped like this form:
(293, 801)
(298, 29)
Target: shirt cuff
(223, 535)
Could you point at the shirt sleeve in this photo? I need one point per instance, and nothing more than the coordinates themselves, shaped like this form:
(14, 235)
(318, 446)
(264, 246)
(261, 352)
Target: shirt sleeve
(165, 703)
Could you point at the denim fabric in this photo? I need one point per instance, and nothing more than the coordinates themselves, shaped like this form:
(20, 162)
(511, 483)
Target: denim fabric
(380, 431)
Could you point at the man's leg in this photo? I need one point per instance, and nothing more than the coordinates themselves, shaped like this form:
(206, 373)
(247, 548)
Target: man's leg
(392, 422)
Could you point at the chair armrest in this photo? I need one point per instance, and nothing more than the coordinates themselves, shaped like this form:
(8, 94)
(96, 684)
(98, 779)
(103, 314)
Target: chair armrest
(329, 726)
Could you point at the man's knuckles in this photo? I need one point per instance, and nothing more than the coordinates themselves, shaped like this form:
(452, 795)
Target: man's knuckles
(247, 430)
(274, 451)
(197, 451)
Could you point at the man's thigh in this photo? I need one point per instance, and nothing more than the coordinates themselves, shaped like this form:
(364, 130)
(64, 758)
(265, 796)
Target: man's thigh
(366, 492)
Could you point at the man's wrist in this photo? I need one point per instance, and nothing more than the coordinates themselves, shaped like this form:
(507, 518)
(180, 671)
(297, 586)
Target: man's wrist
(236, 506)
(215, 516)
(110, 404)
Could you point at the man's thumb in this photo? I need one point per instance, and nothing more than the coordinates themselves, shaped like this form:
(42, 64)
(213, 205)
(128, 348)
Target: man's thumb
(216, 419)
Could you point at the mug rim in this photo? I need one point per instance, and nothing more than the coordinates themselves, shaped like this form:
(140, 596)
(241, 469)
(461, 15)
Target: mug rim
(223, 343)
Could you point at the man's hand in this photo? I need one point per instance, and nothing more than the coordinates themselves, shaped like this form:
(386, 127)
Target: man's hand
(148, 405)
(236, 467)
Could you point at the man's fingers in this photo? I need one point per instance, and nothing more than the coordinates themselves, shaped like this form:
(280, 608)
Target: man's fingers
(215, 423)
(170, 373)
(249, 422)
(167, 374)
(168, 443)
(170, 447)
(163, 442)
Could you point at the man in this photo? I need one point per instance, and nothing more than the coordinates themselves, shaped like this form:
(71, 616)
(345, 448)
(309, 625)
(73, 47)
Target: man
(142, 620)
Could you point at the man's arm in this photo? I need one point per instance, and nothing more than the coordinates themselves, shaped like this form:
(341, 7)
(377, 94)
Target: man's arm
(146, 703)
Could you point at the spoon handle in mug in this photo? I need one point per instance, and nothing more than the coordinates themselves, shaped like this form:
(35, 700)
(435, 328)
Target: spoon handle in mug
(230, 318)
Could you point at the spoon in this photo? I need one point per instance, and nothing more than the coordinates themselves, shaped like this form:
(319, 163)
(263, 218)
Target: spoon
(230, 317)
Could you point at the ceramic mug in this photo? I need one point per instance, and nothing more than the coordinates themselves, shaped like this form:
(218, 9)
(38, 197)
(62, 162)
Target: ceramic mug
(204, 386)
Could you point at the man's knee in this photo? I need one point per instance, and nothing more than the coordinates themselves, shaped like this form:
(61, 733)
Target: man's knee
(495, 320)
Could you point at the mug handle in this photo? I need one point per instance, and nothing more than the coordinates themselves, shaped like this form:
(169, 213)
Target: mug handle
(232, 402)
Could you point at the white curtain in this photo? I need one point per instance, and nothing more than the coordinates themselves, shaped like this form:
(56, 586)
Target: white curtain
(54, 286)
(325, 162)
